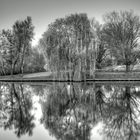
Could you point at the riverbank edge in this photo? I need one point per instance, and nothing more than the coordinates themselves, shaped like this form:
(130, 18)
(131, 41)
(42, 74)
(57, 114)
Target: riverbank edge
(48, 77)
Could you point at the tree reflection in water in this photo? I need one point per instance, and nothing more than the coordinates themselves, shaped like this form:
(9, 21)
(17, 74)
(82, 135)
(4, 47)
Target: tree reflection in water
(70, 111)
(66, 113)
(15, 109)
(122, 122)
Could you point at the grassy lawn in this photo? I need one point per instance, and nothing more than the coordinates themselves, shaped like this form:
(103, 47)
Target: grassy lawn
(122, 68)
(110, 73)
(40, 75)
(37, 75)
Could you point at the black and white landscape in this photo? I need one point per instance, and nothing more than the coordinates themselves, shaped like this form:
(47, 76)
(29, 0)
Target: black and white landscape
(70, 70)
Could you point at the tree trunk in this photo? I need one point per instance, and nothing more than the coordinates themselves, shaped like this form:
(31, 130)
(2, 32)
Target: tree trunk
(13, 65)
(21, 65)
(12, 71)
(22, 59)
(13, 68)
(127, 68)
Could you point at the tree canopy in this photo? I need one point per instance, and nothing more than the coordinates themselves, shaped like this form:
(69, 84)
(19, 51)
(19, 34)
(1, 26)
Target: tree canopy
(67, 43)
(122, 32)
(73, 46)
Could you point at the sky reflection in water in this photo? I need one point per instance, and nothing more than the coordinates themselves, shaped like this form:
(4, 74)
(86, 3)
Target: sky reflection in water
(65, 111)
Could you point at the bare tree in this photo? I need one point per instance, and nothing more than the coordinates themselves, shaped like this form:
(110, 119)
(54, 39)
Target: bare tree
(122, 32)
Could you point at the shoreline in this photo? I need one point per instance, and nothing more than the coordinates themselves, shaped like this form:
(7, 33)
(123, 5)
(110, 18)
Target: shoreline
(48, 77)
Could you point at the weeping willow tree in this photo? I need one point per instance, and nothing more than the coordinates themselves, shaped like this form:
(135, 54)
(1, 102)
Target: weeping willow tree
(67, 43)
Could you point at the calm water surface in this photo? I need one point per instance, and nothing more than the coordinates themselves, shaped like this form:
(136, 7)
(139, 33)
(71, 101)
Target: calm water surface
(62, 111)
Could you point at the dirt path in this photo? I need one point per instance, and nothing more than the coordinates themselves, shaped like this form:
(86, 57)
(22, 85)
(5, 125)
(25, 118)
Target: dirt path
(40, 74)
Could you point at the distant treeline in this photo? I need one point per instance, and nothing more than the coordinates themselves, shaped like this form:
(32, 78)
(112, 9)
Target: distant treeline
(73, 43)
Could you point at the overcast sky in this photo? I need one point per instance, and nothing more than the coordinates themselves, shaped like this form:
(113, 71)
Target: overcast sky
(43, 12)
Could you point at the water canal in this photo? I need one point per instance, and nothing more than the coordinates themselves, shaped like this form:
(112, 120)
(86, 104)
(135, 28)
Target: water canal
(69, 111)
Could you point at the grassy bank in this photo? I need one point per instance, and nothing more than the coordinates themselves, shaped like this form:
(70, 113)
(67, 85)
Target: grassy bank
(99, 76)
